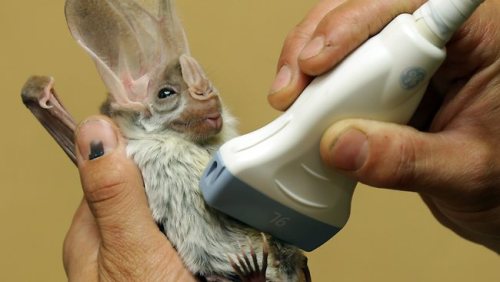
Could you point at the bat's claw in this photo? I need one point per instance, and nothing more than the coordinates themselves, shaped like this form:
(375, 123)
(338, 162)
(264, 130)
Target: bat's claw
(251, 271)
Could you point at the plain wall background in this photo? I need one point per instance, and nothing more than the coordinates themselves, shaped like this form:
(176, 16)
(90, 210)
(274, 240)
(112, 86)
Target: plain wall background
(391, 236)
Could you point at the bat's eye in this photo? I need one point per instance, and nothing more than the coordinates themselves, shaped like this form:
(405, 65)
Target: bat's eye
(166, 92)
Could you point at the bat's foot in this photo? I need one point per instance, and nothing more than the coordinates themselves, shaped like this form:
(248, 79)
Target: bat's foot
(251, 271)
(40, 89)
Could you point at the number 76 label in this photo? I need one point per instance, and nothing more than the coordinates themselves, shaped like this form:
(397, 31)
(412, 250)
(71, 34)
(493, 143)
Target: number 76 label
(279, 220)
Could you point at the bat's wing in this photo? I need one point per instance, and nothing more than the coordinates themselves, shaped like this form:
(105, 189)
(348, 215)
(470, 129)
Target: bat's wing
(39, 96)
(129, 41)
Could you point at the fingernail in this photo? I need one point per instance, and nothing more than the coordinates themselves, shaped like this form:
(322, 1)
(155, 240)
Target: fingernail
(313, 48)
(282, 79)
(350, 151)
(96, 149)
(95, 138)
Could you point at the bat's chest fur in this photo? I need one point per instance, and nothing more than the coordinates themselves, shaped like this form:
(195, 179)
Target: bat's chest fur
(172, 167)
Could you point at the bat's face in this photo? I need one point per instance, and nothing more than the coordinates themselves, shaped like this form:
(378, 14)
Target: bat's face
(195, 111)
(142, 55)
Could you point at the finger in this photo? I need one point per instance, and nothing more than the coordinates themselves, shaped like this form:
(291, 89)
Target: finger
(112, 184)
(81, 243)
(290, 80)
(346, 27)
(395, 156)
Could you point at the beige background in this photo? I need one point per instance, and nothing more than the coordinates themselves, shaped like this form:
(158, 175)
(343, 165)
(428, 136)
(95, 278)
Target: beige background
(391, 236)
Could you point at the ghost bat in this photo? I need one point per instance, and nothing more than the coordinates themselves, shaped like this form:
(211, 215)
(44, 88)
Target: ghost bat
(173, 118)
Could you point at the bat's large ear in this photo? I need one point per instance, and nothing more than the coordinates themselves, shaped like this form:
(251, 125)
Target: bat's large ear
(194, 76)
(173, 33)
(130, 42)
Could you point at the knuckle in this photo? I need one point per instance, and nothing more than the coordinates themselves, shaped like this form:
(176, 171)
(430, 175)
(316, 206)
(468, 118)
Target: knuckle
(103, 185)
(293, 44)
(392, 163)
(106, 192)
(301, 31)
(406, 166)
(403, 170)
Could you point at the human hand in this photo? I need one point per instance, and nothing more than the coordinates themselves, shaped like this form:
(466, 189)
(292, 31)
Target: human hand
(455, 165)
(113, 236)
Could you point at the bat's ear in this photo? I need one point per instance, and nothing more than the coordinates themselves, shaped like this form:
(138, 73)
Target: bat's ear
(194, 76)
(130, 42)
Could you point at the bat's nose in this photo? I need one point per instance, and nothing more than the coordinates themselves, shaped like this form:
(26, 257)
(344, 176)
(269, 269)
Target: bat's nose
(203, 95)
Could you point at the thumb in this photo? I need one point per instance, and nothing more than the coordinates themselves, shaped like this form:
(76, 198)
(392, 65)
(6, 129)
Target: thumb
(112, 184)
(396, 156)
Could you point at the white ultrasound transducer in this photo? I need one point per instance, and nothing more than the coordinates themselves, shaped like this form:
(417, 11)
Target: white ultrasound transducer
(273, 178)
